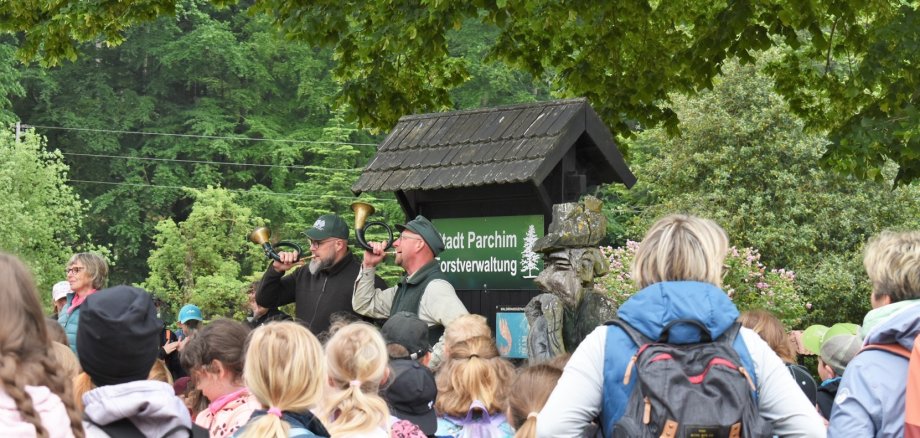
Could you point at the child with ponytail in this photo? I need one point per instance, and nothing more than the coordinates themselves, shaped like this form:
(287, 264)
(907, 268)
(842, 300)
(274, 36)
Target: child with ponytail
(356, 358)
(473, 391)
(285, 370)
(35, 392)
(529, 393)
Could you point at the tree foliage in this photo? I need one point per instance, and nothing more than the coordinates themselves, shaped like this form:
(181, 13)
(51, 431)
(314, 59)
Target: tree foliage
(206, 259)
(41, 216)
(849, 67)
(747, 162)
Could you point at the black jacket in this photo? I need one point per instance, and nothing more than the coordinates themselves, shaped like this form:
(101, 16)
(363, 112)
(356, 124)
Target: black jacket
(316, 296)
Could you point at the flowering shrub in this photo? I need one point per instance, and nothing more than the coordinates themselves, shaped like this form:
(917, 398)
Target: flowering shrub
(747, 282)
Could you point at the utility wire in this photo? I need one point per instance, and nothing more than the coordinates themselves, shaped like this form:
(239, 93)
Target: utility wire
(251, 192)
(213, 137)
(177, 160)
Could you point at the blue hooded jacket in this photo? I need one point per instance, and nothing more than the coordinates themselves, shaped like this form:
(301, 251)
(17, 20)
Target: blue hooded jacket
(870, 400)
(649, 311)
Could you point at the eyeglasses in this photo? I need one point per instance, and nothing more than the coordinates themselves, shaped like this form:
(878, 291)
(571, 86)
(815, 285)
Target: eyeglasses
(75, 270)
(318, 243)
(408, 237)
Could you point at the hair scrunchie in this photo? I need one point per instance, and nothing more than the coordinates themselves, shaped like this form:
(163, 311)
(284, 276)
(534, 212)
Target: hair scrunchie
(532, 415)
(355, 383)
(274, 411)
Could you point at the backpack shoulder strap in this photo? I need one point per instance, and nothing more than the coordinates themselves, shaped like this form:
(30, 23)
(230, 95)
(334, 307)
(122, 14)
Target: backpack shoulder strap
(636, 336)
(895, 349)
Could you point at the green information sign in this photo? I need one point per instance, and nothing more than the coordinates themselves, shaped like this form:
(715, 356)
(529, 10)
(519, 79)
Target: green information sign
(491, 252)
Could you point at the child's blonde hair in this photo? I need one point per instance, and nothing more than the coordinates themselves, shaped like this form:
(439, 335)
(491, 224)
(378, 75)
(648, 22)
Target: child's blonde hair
(529, 393)
(25, 348)
(474, 371)
(465, 327)
(284, 369)
(356, 358)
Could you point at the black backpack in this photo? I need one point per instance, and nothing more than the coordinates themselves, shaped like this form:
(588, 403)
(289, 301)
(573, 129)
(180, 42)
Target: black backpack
(691, 390)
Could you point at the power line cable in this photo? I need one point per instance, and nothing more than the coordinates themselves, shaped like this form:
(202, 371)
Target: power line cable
(228, 163)
(212, 137)
(250, 192)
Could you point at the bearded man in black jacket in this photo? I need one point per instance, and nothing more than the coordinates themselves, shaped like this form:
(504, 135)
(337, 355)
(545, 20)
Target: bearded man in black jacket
(321, 288)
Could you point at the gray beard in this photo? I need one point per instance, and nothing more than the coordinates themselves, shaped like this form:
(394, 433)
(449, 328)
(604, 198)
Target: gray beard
(317, 265)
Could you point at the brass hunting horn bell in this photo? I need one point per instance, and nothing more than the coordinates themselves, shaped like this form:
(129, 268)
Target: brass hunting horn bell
(262, 236)
(362, 211)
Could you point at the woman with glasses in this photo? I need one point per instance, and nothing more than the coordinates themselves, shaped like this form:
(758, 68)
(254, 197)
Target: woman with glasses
(86, 272)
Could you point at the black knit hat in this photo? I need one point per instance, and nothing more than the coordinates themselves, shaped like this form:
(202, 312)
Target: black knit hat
(118, 335)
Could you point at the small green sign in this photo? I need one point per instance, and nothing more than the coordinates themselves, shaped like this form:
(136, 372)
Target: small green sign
(491, 252)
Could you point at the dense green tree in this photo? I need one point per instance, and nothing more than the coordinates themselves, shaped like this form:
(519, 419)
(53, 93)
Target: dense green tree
(850, 67)
(206, 259)
(746, 161)
(41, 215)
(242, 109)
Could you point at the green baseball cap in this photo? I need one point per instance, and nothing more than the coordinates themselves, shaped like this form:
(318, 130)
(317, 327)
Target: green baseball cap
(326, 226)
(815, 336)
(423, 227)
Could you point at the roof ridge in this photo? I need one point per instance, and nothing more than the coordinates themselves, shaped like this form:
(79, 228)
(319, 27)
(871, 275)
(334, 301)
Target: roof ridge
(547, 103)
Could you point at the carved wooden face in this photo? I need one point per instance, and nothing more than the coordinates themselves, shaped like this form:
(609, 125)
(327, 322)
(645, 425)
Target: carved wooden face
(569, 273)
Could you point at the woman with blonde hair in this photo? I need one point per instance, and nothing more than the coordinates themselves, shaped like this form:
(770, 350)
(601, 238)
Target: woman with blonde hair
(356, 360)
(86, 273)
(285, 371)
(35, 393)
(473, 390)
(678, 267)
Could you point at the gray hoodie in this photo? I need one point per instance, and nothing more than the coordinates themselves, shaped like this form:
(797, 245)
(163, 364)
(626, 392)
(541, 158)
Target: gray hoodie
(151, 405)
(870, 400)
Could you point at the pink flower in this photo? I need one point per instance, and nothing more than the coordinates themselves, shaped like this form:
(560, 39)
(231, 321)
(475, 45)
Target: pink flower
(761, 285)
(808, 306)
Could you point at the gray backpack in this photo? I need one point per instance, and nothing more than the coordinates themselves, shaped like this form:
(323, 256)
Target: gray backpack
(691, 390)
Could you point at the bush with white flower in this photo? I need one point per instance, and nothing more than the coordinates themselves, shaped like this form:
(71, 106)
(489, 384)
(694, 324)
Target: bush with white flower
(749, 283)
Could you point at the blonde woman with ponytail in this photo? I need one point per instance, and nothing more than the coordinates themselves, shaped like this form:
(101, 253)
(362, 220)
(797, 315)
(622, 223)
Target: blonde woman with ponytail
(284, 369)
(356, 357)
(473, 391)
(35, 391)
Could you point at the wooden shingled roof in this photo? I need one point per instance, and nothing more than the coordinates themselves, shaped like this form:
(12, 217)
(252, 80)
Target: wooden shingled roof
(493, 146)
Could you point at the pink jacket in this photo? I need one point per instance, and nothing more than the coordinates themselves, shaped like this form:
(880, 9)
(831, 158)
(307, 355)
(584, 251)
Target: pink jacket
(49, 407)
(227, 414)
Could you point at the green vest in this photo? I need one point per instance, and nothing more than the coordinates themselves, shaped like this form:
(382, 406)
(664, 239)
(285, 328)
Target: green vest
(409, 295)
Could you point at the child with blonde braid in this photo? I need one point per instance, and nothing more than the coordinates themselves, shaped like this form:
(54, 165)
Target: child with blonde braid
(356, 358)
(473, 391)
(285, 370)
(35, 393)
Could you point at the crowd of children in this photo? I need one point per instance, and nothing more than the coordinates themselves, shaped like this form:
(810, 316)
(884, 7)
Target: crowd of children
(274, 378)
